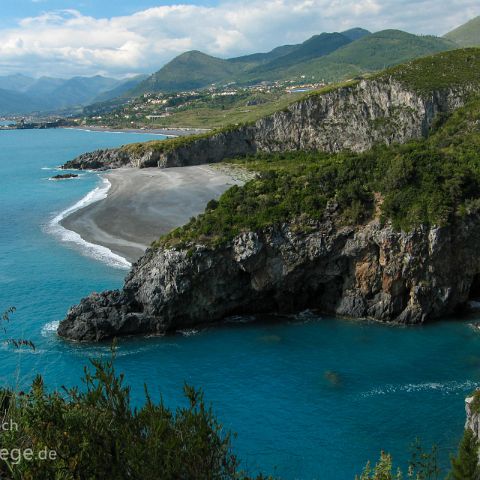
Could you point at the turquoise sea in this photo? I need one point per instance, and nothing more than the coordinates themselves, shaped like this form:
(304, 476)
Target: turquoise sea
(309, 397)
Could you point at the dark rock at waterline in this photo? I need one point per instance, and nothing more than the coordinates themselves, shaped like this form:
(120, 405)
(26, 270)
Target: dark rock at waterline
(64, 176)
(364, 271)
(98, 160)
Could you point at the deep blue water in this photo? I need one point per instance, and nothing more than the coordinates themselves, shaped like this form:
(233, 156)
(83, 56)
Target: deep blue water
(308, 397)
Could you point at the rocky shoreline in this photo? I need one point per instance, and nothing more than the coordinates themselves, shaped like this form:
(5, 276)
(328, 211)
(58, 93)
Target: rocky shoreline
(360, 270)
(367, 271)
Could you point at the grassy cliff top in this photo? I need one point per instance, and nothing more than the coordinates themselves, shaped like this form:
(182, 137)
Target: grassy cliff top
(428, 182)
(456, 68)
(139, 149)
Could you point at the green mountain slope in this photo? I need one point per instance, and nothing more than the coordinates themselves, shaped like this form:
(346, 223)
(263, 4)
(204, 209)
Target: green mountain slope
(355, 33)
(315, 47)
(262, 58)
(195, 69)
(390, 47)
(457, 68)
(467, 35)
(329, 56)
(189, 71)
(371, 53)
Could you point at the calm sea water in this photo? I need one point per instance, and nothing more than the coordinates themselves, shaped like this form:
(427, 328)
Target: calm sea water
(310, 398)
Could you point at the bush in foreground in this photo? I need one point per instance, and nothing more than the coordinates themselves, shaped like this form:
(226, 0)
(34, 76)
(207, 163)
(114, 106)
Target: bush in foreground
(95, 433)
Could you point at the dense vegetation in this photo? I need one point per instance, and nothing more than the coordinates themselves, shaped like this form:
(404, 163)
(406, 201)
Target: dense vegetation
(465, 465)
(428, 182)
(424, 466)
(453, 69)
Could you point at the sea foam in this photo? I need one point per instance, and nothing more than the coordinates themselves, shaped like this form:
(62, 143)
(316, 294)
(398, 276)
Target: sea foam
(92, 250)
(50, 328)
(443, 387)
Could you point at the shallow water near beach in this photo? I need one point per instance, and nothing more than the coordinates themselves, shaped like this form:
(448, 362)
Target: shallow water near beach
(310, 397)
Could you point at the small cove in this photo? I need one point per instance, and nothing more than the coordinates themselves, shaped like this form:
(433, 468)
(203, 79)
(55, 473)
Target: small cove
(310, 397)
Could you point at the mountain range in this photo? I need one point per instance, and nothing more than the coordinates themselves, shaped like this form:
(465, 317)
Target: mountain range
(327, 57)
(20, 94)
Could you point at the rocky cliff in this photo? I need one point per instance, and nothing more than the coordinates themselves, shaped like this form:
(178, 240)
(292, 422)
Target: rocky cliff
(292, 262)
(353, 117)
(473, 415)
(368, 270)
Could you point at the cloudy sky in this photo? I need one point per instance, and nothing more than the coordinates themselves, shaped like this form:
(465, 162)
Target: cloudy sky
(122, 37)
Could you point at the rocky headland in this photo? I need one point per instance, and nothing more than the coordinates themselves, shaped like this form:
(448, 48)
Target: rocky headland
(353, 117)
(363, 268)
(368, 271)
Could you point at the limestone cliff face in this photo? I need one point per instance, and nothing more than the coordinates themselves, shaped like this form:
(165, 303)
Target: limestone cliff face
(473, 417)
(366, 271)
(354, 117)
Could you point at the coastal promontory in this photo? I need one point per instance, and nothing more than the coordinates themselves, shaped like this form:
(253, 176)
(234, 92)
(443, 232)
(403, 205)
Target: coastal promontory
(364, 205)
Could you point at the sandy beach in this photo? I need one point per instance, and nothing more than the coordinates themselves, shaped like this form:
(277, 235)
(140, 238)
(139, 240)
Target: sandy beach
(167, 131)
(143, 204)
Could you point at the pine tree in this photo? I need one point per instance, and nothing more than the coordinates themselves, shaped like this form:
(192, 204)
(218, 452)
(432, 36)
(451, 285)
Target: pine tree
(383, 470)
(465, 464)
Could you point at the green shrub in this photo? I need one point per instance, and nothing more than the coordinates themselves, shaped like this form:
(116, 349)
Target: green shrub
(95, 433)
(452, 69)
(429, 182)
(423, 465)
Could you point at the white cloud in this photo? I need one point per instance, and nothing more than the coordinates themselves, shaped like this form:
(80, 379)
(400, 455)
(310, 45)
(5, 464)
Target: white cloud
(65, 42)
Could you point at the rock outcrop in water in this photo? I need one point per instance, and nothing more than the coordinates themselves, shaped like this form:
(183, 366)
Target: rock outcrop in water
(354, 117)
(369, 271)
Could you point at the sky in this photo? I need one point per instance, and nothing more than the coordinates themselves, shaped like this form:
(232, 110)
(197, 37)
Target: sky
(125, 37)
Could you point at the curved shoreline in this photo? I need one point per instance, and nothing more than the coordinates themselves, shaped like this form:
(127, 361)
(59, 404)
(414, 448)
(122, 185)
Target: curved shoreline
(89, 249)
(140, 206)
